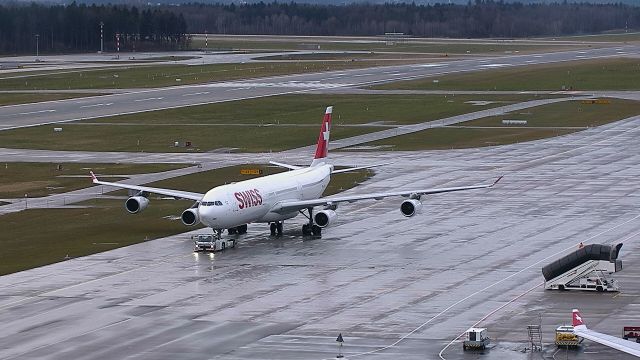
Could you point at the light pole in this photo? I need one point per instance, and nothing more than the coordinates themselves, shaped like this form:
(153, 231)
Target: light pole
(101, 37)
(37, 46)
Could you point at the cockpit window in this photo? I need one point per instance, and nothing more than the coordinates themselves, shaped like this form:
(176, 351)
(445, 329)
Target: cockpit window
(211, 203)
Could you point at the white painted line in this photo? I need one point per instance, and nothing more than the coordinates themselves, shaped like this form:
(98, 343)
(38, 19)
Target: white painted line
(88, 106)
(35, 112)
(148, 99)
(198, 93)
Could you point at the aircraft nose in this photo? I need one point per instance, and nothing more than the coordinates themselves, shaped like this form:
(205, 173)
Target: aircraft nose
(207, 215)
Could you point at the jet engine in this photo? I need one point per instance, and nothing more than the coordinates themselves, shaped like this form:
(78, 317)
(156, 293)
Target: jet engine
(324, 218)
(410, 207)
(190, 217)
(136, 204)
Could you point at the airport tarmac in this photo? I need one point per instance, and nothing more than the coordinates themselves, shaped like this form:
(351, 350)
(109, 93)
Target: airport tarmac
(375, 277)
(16, 116)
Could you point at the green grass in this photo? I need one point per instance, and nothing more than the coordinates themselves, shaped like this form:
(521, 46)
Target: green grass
(294, 121)
(609, 74)
(43, 179)
(411, 46)
(456, 138)
(106, 225)
(567, 114)
(168, 75)
(21, 98)
(604, 37)
(555, 120)
(308, 109)
(79, 232)
(151, 138)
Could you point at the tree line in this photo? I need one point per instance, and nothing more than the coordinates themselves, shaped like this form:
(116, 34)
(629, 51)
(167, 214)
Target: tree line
(480, 18)
(76, 28)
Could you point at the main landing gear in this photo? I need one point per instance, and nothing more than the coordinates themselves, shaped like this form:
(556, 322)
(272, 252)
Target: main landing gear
(242, 229)
(310, 228)
(276, 228)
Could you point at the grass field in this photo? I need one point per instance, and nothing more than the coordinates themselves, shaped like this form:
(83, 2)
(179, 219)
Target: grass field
(168, 75)
(605, 37)
(379, 45)
(154, 138)
(607, 74)
(555, 120)
(21, 98)
(268, 124)
(105, 225)
(43, 179)
(350, 56)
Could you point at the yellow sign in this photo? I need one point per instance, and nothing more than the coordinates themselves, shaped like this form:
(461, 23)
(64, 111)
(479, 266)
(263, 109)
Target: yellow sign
(596, 101)
(251, 171)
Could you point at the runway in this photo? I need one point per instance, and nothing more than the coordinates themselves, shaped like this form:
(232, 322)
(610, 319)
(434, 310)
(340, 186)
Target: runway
(141, 100)
(375, 277)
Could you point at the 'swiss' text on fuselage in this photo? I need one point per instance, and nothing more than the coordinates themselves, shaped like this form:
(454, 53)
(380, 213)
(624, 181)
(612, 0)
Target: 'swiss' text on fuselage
(249, 198)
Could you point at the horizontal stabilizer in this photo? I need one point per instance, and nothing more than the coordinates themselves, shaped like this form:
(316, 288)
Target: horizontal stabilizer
(287, 166)
(357, 168)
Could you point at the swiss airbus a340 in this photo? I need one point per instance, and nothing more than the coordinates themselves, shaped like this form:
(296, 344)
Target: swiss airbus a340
(275, 198)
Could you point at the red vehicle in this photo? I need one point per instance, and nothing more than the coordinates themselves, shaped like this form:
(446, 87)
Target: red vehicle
(631, 333)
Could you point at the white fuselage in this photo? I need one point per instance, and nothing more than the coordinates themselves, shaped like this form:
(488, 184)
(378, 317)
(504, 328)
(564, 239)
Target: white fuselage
(236, 204)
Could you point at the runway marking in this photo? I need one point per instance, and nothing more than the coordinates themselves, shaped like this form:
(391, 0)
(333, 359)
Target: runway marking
(95, 105)
(33, 112)
(198, 93)
(149, 99)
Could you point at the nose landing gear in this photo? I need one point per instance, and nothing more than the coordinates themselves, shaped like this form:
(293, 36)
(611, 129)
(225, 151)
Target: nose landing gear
(276, 228)
(242, 229)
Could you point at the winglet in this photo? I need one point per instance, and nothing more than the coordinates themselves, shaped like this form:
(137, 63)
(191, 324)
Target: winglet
(577, 320)
(94, 179)
(495, 182)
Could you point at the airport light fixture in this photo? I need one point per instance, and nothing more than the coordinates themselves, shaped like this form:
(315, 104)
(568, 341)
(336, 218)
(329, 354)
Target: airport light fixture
(37, 46)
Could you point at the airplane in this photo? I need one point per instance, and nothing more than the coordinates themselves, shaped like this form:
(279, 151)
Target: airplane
(580, 329)
(278, 197)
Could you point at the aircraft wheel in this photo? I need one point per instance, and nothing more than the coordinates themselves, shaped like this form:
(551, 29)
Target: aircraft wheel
(232, 231)
(306, 230)
(316, 230)
(242, 229)
(273, 228)
(279, 228)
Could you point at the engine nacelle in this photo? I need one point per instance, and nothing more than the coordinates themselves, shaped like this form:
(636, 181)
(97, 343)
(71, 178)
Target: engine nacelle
(324, 218)
(136, 204)
(411, 207)
(190, 217)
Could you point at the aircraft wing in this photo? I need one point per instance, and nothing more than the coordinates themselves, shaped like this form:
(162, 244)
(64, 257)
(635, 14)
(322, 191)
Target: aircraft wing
(178, 194)
(288, 206)
(581, 330)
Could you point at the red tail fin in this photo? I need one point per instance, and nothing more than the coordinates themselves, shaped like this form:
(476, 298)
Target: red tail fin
(323, 138)
(577, 318)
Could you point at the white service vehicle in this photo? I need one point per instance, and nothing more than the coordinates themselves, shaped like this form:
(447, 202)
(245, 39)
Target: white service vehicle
(476, 339)
(207, 242)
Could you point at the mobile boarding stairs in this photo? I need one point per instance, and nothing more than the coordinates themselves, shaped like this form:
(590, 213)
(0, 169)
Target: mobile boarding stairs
(588, 268)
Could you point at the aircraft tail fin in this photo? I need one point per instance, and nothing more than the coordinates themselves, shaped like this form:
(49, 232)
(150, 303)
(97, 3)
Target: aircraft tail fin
(577, 320)
(322, 148)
